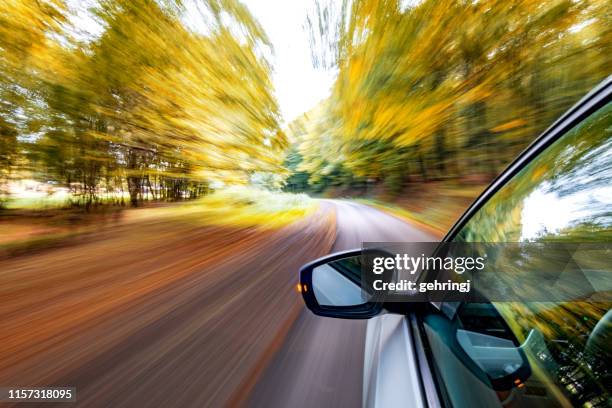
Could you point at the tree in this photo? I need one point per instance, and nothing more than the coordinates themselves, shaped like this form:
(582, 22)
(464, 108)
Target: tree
(149, 106)
(446, 89)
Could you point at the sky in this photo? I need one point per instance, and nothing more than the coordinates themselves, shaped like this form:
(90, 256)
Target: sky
(298, 85)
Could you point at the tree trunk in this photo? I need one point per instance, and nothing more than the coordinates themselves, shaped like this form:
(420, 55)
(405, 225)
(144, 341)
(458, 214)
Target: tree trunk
(133, 180)
(134, 189)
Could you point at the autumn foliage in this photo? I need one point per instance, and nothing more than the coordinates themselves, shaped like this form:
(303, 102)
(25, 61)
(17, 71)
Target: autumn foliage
(442, 90)
(148, 101)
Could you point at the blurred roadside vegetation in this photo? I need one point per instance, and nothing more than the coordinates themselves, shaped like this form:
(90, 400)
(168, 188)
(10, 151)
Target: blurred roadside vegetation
(240, 207)
(127, 100)
(434, 98)
(42, 227)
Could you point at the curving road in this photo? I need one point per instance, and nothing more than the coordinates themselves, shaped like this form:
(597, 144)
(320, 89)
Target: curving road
(162, 310)
(320, 364)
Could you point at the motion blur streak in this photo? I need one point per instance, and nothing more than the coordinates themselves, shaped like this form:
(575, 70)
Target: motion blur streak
(131, 320)
(442, 91)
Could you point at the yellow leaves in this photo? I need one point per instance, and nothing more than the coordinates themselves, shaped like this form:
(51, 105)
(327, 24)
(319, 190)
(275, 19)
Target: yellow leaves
(477, 93)
(207, 99)
(422, 124)
(25, 27)
(436, 86)
(147, 94)
(538, 172)
(513, 124)
(356, 70)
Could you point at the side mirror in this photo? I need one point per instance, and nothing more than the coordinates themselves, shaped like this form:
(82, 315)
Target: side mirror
(482, 336)
(332, 287)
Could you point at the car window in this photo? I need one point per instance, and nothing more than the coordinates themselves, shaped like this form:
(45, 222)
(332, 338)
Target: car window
(563, 195)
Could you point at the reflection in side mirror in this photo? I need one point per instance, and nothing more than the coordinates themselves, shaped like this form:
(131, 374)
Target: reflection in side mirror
(331, 286)
(338, 283)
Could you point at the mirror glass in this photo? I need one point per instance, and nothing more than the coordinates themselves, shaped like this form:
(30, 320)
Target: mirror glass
(338, 283)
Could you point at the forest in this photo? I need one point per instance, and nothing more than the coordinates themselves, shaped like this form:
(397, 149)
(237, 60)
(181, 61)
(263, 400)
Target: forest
(442, 91)
(170, 100)
(148, 100)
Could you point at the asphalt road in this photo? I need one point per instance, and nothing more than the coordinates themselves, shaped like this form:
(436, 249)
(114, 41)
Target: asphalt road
(320, 364)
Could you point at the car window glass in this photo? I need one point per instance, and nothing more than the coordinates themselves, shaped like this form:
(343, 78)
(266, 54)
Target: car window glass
(563, 195)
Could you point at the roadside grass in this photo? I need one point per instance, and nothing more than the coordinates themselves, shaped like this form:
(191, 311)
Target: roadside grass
(238, 207)
(38, 227)
(38, 203)
(67, 201)
(247, 206)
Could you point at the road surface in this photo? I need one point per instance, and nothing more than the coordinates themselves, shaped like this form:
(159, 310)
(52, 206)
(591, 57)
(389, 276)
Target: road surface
(170, 311)
(321, 361)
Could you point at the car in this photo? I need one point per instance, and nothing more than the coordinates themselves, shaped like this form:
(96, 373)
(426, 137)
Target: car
(559, 190)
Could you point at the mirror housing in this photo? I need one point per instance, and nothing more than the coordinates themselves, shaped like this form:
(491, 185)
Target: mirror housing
(337, 290)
